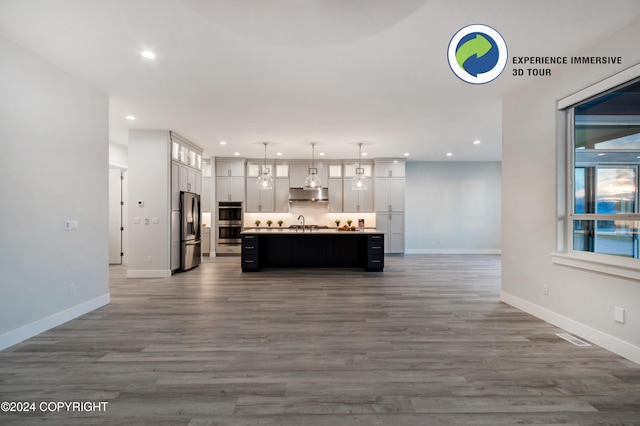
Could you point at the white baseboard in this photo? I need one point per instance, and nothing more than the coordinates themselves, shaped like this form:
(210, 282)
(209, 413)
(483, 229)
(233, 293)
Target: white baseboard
(148, 273)
(25, 332)
(610, 343)
(453, 251)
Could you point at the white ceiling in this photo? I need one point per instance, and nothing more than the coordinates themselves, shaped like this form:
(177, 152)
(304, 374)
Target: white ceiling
(293, 72)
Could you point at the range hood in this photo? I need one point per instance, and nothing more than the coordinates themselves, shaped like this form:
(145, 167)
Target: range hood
(299, 194)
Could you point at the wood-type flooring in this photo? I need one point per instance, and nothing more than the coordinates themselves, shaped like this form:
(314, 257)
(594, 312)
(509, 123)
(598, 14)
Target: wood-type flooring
(426, 342)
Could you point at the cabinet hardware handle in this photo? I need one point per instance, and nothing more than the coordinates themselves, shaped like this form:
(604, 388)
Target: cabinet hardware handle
(375, 261)
(375, 237)
(248, 261)
(251, 247)
(376, 247)
(248, 237)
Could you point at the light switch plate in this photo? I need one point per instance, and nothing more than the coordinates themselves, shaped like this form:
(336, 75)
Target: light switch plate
(618, 314)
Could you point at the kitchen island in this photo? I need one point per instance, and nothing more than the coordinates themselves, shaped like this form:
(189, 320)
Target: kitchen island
(317, 248)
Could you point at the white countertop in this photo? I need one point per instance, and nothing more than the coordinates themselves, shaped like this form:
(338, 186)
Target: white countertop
(289, 231)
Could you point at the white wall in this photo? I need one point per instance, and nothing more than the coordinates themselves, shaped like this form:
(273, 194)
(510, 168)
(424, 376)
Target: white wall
(579, 301)
(54, 139)
(118, 155)
(149, 181)
(453, 207)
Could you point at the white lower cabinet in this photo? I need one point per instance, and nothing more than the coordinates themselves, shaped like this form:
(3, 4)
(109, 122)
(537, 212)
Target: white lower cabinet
(392, 224)
(206, 240)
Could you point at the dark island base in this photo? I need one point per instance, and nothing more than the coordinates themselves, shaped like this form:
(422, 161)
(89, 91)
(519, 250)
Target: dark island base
(348, 250)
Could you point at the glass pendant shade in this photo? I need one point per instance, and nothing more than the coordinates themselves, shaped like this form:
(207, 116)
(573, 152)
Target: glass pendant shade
(360, 181)
(265, 181)
(312, 181)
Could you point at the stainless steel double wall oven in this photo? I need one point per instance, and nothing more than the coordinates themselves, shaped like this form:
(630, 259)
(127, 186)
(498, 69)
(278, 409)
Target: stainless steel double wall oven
(228, 227)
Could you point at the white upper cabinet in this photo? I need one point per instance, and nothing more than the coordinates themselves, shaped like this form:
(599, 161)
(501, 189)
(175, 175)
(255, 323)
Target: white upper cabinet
(230, 180)
(335, 171)
(230, 168)
(298, 172)
(334, 186)
(281, 187)
(390, 168)
(356, 201)
(258, 199)
(350, 169)
(230, 188)
(255, 168)
(281, 171)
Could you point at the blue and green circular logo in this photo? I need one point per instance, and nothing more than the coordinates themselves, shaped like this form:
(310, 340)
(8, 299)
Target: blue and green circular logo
(477, 54)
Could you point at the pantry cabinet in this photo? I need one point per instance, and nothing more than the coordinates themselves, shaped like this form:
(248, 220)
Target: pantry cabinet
(389, 202)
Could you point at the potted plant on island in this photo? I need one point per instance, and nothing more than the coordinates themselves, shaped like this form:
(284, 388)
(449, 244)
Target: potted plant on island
(257, 222)
(337, 221)
(280, 222)
(349, 222)
(269, 222)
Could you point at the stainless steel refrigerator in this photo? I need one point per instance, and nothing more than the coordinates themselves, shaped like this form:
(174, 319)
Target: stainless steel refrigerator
(190, 225)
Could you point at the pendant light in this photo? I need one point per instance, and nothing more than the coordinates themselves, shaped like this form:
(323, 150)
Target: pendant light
(312, 182)
(359, 182)
(264, 180)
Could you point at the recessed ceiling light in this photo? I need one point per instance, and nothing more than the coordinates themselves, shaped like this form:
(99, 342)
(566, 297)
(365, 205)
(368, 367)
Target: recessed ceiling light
(406, 154)
(223, 143)
(476, 142)
(601, 154)
(148, 54)
(278, 154)
(364, 154)
(130, 117)
(449, 154)
(322, 154)
(236, 153)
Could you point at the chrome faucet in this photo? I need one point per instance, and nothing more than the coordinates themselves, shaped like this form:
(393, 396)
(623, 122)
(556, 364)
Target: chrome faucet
(302, 221)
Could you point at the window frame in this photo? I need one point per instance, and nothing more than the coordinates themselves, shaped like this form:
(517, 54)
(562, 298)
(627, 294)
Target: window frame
(565, 254)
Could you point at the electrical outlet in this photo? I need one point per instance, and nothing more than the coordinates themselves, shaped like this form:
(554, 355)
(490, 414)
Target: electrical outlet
(618, 314)
(72, 288)
(545, 290)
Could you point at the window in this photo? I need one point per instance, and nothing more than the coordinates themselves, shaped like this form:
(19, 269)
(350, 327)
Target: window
(605, 159)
